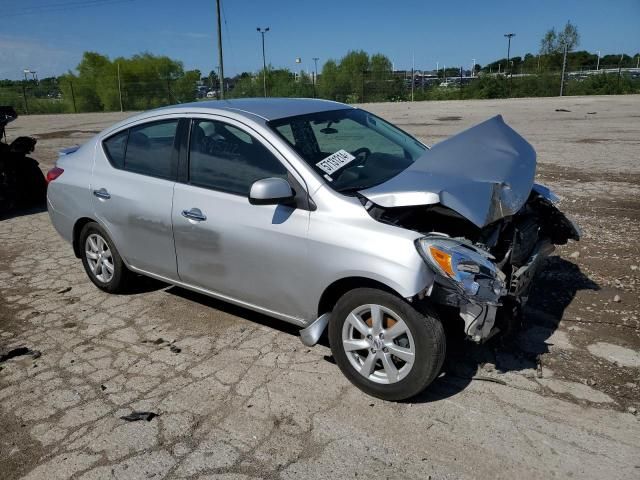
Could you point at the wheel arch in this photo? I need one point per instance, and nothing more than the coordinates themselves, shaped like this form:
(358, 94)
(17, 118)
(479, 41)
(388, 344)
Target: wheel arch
(77, 228)
(339, 287)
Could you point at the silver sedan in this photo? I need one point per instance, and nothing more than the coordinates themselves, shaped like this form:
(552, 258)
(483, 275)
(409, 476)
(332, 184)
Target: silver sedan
(318, 214)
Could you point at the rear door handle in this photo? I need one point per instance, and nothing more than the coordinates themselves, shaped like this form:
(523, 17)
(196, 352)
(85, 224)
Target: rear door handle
(102, 194)
(194, 214)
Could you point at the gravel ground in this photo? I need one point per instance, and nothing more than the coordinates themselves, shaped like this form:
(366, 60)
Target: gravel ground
(238, 396)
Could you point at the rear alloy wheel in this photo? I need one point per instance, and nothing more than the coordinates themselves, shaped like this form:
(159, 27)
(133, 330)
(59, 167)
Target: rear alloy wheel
(101, 260)
(384, 346)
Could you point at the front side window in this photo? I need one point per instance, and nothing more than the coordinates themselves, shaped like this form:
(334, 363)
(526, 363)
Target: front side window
(223, 157)
(350, 148)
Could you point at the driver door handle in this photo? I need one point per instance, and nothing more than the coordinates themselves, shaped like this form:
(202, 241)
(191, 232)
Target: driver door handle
(194, 214)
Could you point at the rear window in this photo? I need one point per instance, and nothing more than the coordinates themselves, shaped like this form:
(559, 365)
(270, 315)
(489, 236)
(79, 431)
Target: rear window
(148, 149)
(116, 147)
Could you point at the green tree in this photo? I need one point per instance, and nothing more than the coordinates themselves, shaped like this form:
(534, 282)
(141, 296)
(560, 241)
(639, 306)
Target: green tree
(569, 37)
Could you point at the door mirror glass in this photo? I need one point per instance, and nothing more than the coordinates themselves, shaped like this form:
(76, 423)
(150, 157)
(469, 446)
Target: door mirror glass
(270, 191)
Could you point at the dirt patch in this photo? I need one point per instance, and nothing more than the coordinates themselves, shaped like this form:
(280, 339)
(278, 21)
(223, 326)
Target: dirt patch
(557, 172)
(17, 447)
(593, 140)
(412, 124)
(64, 134)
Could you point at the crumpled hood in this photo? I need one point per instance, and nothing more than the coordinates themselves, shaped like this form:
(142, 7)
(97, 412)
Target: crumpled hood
(484, 173)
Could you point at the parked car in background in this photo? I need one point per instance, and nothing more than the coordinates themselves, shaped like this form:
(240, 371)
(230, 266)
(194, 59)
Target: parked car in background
(317, 213)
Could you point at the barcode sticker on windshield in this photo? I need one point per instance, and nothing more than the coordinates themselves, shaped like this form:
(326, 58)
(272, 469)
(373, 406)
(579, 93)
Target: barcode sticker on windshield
(335, 161)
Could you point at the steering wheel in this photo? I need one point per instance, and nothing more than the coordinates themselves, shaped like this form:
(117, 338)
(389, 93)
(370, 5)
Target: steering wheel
(363, 153)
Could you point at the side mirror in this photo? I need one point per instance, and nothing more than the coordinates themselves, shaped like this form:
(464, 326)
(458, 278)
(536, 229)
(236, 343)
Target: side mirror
(270, 191)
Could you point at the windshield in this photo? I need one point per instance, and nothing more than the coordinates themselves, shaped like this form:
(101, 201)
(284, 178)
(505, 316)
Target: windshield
(351, 149)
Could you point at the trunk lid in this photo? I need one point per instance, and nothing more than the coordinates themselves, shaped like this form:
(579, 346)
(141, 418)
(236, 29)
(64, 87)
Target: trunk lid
(484, 173)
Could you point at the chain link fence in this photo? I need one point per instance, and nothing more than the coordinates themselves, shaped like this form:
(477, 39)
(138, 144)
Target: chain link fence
(72, 95)
(76, 96)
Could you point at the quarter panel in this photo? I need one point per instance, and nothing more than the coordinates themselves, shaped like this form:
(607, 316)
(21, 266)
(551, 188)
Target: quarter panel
(69, 196)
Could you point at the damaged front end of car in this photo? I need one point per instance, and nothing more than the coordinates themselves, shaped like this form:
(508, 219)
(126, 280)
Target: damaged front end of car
(486, 273)
(487, 226)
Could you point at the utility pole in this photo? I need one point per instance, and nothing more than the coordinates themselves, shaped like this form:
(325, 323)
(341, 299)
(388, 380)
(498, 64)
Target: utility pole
(73, 98)
(220, 50)
(619, 70)
(119, 88)
(315, 76)
(598, 64)
(413, 66)
(564, 65)
(24, 97)
(264, 61)
(473, 67)
(509, 37)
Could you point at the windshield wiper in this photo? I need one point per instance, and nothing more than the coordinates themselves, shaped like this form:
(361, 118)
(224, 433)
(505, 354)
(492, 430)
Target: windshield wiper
(353, 189)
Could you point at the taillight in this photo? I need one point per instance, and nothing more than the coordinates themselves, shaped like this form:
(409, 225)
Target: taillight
(54, 173)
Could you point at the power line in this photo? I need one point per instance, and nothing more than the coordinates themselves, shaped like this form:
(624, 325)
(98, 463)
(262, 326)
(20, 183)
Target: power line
(60, 7)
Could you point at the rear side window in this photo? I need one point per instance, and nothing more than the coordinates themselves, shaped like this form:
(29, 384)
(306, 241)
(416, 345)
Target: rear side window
(148, 149)
(225, 158)
(115, 147)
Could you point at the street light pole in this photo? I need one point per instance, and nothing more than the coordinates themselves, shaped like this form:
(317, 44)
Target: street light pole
(264, 61)
(509, 37)
(315, 76)
(220, 51)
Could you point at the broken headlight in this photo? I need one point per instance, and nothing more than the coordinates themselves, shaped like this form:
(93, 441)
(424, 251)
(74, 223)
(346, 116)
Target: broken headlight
(465, 266)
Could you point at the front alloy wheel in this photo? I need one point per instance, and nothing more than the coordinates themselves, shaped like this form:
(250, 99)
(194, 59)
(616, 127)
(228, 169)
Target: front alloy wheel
(378, 344)
(383, 345)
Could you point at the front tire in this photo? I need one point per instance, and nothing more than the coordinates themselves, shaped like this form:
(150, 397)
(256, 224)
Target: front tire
(384, 346)
(101, 260)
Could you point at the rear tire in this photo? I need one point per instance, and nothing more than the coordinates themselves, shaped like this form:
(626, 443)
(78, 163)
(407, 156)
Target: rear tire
(384, 346)
(101, 260)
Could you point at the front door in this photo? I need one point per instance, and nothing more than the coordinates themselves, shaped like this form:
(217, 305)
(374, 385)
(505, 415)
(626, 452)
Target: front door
(255, 254)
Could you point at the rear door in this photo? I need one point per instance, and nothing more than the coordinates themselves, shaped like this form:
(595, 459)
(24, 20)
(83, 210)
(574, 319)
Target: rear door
(255, 254)
(132, 184)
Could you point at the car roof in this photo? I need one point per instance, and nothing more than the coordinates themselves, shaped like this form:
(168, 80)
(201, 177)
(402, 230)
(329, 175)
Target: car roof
(265, 108)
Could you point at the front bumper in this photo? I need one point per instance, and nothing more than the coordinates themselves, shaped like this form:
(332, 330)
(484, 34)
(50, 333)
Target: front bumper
(480, 313)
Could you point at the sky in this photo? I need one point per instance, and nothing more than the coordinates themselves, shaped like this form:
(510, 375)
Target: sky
(49, 36)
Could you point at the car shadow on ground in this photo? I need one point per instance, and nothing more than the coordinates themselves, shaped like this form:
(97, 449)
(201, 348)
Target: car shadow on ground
(554, 289)
(234, 310)
(21, 212)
